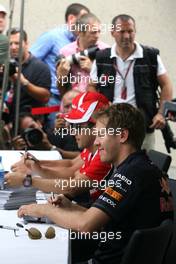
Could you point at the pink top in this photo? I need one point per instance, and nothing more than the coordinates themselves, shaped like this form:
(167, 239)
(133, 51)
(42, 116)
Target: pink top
(79, 78)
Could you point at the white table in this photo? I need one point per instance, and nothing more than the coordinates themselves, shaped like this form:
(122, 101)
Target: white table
(22, 249)
(9, 157)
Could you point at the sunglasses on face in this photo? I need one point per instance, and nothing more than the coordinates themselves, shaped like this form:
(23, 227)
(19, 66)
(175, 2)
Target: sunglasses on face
(34, 233)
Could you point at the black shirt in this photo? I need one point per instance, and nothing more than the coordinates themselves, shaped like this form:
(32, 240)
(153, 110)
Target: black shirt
(65, 142)
(38, 73)
(132, 202)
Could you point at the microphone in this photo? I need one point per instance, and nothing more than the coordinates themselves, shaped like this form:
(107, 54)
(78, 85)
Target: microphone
(4, 43)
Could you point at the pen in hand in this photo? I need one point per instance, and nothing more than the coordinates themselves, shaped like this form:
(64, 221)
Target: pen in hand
(52, 196)
(28, 156)
(53, 199)
(25, 154)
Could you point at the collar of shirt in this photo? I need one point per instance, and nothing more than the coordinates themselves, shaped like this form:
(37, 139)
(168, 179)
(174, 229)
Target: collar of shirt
(26, 62)
(138, 53)
(69, 35)
(78, 49)
(77, 45)
(134, 155)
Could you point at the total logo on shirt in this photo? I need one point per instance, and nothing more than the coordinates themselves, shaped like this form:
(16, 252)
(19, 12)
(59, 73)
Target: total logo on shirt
(123, 178)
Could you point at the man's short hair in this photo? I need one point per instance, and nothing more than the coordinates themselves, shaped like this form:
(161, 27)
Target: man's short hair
(82, 23)
(16, 30)
(122, 17)
(125, 116)
(75, 9)
(23, 115)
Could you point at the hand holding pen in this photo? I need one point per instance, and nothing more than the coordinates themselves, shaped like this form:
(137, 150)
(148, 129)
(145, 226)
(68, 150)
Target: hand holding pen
(60, 200)
(28, 156)
(54, 199)
(23, 165)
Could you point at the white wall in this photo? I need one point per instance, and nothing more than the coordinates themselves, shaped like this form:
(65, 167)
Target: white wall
(155, 21)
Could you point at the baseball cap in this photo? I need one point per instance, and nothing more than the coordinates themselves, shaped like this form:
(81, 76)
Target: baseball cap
(2, 9)
(84, 105)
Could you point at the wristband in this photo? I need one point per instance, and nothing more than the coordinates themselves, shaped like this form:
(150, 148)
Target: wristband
(27, 182)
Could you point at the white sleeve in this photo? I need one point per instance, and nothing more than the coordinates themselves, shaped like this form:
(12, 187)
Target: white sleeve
(161, 68)
(93, 72)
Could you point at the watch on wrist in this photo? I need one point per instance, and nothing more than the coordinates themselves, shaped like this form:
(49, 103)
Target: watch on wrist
(27, 182)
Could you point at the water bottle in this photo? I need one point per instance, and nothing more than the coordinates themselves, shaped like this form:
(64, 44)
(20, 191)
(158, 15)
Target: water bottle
(1, 174)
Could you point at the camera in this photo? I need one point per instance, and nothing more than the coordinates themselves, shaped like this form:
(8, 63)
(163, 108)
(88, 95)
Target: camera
(169, 112)
(32, 136)
(75, 58)
(169, 108)
(12, 69)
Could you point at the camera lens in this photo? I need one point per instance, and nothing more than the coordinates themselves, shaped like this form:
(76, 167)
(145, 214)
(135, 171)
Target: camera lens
(33, 136)
(12, 67)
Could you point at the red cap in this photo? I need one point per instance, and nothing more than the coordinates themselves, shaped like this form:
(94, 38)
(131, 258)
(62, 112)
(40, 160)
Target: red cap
(84, 105)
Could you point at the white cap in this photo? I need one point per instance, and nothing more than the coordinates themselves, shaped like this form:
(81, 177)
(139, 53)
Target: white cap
(2, 9)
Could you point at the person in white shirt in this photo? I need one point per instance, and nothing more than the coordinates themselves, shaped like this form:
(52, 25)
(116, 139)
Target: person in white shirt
(137, 71)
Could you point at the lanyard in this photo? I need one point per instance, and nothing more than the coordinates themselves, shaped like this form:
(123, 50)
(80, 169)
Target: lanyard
(128, 69)
(124, 88)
